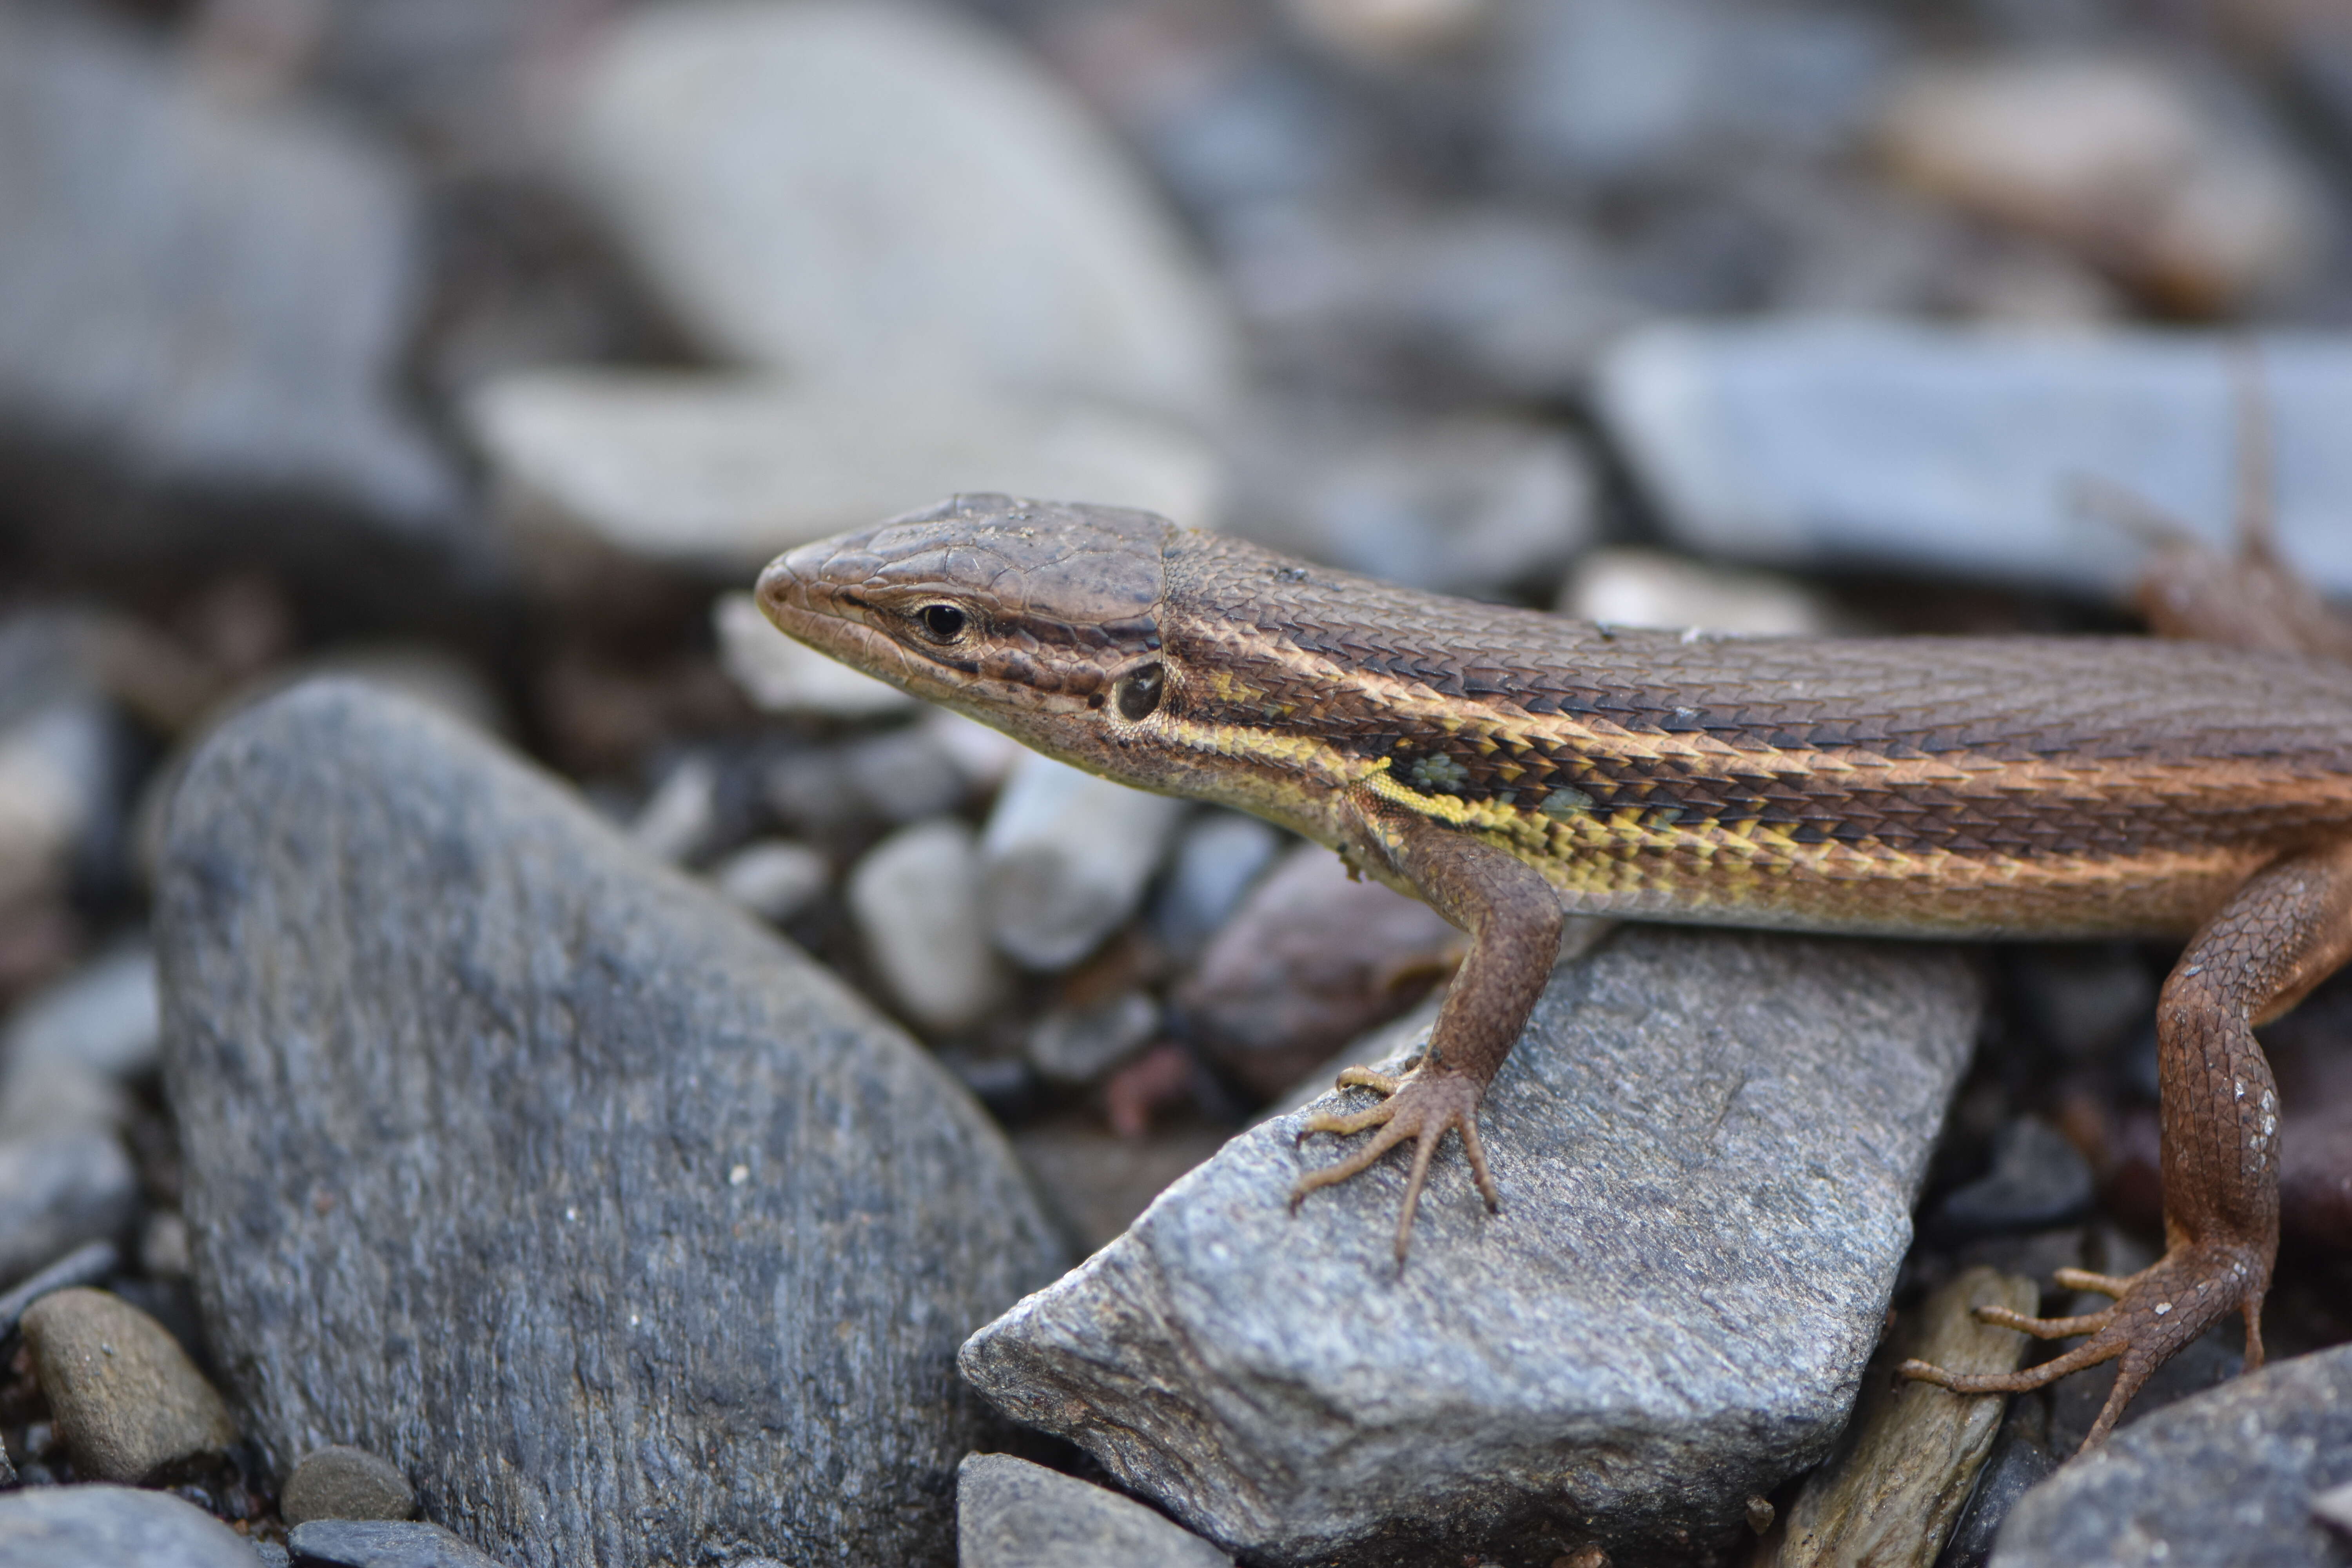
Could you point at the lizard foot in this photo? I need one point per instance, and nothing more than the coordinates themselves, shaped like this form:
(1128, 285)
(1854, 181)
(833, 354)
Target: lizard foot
(1417, 1107)
(2156, 1312)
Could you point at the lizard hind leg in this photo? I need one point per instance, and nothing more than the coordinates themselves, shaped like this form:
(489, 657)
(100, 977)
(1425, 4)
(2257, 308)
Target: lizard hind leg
(2286, 928)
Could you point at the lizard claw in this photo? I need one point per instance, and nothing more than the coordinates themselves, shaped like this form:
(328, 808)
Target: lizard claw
(2156, 1313)
(1417, 1108)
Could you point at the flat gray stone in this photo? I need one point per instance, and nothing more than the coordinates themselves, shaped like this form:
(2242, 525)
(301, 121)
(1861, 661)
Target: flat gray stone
(382, 1543)
(2226, 1478)
(1945, 450)
(619, 1225)
(1708, 1145)
(58, 1191)
(1011, 1513)
(213, 294)
(113, 1527)
(717, 474)
(891, 193)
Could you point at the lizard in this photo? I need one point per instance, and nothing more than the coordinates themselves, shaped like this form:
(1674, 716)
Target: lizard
(1511, 767)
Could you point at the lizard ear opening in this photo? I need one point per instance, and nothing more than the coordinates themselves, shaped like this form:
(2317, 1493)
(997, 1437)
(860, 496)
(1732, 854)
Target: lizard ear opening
(1138, 691)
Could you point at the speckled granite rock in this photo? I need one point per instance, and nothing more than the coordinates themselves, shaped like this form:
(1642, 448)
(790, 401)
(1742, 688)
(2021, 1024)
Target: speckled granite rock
(624, 1231)
(1708, 1145)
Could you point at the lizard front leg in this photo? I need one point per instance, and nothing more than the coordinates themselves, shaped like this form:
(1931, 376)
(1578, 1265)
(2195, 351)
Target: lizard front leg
(2286, 928)
(1514, 921)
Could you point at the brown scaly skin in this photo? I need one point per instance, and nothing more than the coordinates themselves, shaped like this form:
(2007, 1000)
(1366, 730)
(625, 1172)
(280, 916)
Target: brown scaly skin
(1509, 766)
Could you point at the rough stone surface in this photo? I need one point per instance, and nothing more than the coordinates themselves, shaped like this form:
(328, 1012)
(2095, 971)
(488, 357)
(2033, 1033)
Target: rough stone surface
(1707, 1146)
(382, 1543)
(211, 293)
(623, 1229)
(128, 1402)
(1941, 450)
(341, 1482)
(113, 1527)
(1011, 1513)
(787, 173)
(59, 1191)
(716, 474)
(2225, 1478)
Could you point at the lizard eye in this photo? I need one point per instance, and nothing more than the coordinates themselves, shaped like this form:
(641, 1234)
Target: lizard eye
(943, 623)
(1138, 693)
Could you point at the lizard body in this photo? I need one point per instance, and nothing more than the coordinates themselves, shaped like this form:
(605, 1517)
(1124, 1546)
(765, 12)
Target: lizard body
(1511, 767)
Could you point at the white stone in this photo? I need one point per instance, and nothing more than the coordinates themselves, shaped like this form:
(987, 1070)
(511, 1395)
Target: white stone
(915, 898)
(774, 879)
(1936, 449)
(856, 189)
(676, 820)
(54, 765)
(782, 676)
(1624, 586)
(718, 473)
(1068, 855)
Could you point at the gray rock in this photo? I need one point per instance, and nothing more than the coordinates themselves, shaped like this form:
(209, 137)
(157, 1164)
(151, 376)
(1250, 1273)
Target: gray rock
(2038, 1179)
(901, 775)
(113, 1527)
(1078, 1043)
(1933, 450)
(1312, 958)
(1219, 857)
(212, 295)
(59, 782)
(713, 474)
(782, 676)
(1467, 505)
(785, 172)
(382, 1543)
(84, 1265)
(915, 898)
(129, 1404)
(1011, 1513)
(690, 1233)
(273, 1554)
(776, 878)
(1669, 1315)
(342, 1482)
(102, 1016)
(2225, 1478)
(58, 1191)
(45, 1097)
(1066, 858)
(1645, 90)
(679, 816)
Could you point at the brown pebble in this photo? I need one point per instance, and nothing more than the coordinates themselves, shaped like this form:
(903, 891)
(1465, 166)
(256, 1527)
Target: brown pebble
(346, 1483)
(127, 1401)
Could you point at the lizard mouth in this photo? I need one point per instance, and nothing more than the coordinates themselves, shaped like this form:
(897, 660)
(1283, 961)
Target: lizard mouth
(807, 602)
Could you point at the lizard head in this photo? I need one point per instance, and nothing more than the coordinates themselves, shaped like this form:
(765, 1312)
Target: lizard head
(1036, 618)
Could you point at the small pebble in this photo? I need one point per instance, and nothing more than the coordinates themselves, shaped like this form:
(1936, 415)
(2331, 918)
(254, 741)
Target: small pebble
(1221, 854)
(341, 1482)
(2037, 1179)
(97, 1526)
(682, 812)
(1068, 856)
(127, 1401)
(782, 676)
(1079, 1044)
(774, 879)
(915, 898)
